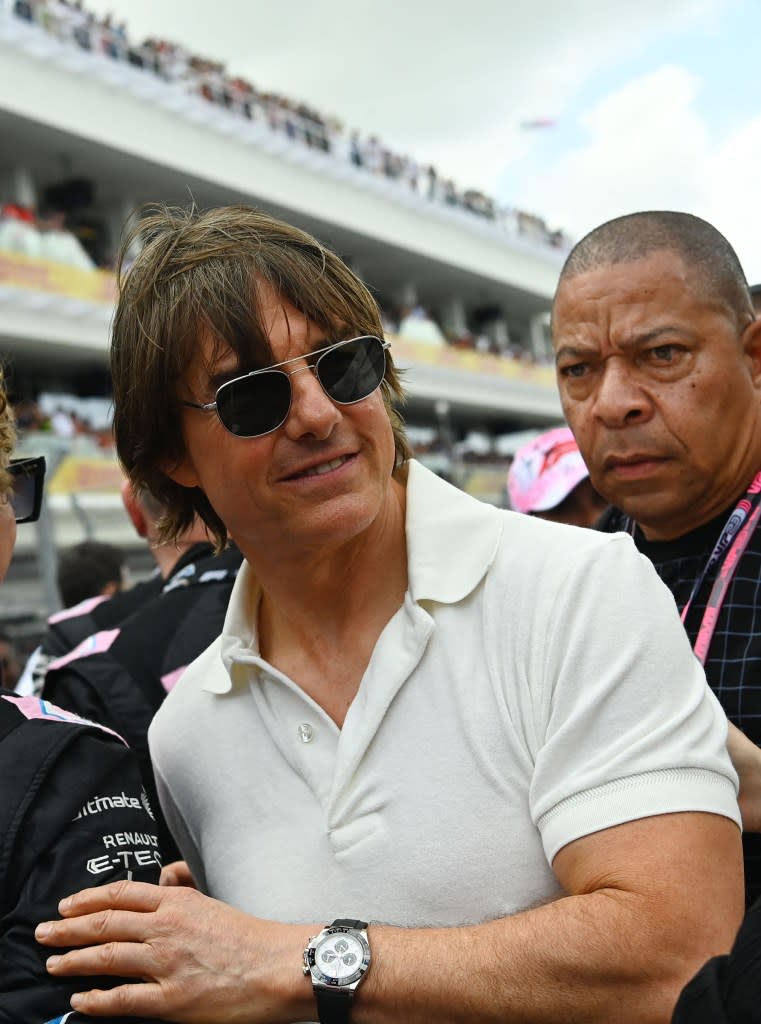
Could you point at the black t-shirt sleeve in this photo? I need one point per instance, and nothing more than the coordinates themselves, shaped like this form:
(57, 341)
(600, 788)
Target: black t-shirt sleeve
(89, 824)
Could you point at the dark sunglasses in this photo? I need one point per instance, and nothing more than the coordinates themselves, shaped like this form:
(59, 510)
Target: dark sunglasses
(28, 476)
(259, 402)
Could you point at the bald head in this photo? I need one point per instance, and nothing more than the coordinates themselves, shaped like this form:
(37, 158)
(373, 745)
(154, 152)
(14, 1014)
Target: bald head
(704, 251)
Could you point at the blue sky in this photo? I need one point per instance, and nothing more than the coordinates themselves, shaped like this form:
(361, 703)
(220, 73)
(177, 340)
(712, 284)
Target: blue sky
(686, 136)
(721, 49)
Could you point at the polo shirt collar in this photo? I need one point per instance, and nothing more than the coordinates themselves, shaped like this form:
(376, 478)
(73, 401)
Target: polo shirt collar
(452, 539)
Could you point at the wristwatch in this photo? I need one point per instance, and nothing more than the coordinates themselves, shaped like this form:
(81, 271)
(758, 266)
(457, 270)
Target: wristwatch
(337, 959)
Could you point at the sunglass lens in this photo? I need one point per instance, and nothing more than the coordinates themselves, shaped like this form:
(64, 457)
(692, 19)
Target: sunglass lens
(255, 405)
(22, 498)
(352, 371)
(26, 497)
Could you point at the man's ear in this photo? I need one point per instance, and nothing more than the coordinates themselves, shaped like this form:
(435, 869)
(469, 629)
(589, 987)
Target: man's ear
(182, 471)
(751, 342)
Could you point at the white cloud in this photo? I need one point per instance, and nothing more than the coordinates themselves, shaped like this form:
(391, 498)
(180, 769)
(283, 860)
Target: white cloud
(730, 182)
(647, 147)
(644, 149)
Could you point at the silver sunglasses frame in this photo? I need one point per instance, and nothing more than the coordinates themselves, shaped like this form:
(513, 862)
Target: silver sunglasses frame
(275, 368)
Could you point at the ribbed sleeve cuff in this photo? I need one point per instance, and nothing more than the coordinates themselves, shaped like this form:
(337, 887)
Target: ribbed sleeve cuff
(669, 791)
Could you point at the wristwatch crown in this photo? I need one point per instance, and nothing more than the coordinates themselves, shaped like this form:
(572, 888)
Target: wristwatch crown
(305, 955)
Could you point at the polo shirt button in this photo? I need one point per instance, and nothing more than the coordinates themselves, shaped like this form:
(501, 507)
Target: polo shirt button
(306, 732)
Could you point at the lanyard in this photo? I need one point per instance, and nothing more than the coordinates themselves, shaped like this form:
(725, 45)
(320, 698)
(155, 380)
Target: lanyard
(729, 548)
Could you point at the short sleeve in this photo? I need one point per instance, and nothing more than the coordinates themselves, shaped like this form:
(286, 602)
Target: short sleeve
(629, 727)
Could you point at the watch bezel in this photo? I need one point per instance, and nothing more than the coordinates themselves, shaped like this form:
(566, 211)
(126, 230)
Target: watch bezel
(326, 980)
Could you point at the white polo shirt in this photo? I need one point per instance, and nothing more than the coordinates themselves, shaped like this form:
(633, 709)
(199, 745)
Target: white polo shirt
(536, 686)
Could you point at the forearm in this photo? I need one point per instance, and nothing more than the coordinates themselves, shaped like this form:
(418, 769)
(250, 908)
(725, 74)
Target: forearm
(598, 957)
(607, 955)
(653, 899)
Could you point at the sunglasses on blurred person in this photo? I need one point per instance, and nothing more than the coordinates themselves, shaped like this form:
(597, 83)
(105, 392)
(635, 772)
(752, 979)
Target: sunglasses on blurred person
(28, 476)
(259, 402)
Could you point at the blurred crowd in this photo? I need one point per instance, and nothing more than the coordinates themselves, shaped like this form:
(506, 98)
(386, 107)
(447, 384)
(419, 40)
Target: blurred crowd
(70, 22)
(65, 417)
(41, 236)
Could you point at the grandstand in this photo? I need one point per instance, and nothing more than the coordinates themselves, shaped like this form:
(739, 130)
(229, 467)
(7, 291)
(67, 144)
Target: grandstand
(94, 124)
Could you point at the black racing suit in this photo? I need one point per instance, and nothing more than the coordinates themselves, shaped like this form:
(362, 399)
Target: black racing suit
(68, 628)
(73, 814)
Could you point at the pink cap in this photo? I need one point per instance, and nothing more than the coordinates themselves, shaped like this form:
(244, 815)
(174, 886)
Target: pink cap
(545, 471)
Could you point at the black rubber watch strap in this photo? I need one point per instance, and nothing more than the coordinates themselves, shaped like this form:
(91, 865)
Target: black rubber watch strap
(333, 1007)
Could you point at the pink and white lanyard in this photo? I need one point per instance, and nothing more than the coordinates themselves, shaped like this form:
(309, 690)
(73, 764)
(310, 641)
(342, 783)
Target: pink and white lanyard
(732, 542)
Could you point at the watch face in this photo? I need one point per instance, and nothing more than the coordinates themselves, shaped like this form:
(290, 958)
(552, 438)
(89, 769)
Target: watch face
(340, 958)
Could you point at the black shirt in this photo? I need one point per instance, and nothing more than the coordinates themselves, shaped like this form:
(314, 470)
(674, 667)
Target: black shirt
(733, 666)
(120, 677)
(728, 989)
(73, 814)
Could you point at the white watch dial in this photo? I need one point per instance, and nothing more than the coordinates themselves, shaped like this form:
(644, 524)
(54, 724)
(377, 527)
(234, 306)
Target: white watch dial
(338, 956)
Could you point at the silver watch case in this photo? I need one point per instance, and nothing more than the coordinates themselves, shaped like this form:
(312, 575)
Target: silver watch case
(315, 961)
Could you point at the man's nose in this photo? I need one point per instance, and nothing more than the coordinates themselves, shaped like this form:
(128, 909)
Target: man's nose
(620, 398)
(312, 413)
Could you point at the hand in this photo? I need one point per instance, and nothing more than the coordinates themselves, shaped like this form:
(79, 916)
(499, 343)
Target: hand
(746, 758)
(177, 873)
(198, 960)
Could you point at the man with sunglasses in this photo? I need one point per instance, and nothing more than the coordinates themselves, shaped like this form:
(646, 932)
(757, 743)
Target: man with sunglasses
(423, 712)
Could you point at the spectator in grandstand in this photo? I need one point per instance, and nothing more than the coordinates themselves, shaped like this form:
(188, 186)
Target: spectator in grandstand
(548, 478)
(91, 568)
(43, 238)
(68, 788)
(658, 359)
(299, 121)
(417, 325)
(585, 793)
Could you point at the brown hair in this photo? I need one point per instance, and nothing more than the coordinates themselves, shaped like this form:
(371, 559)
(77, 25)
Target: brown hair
(198, 273)
(7, 439)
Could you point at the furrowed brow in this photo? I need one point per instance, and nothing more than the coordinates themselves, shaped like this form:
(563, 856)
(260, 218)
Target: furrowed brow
(646, 337)
(573, 352)
(634, 341)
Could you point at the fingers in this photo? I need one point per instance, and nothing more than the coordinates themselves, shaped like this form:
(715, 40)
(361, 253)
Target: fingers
(177, 873)
(102, 926)
(123, 1001)
(123, 895)
(115, 959)
(121, 912)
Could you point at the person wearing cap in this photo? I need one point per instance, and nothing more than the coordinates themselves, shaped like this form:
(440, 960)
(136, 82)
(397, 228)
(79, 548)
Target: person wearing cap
(429, 771)
(548, 478)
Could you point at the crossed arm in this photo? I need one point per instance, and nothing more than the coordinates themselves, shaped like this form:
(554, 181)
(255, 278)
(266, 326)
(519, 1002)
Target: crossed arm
(648, 903)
